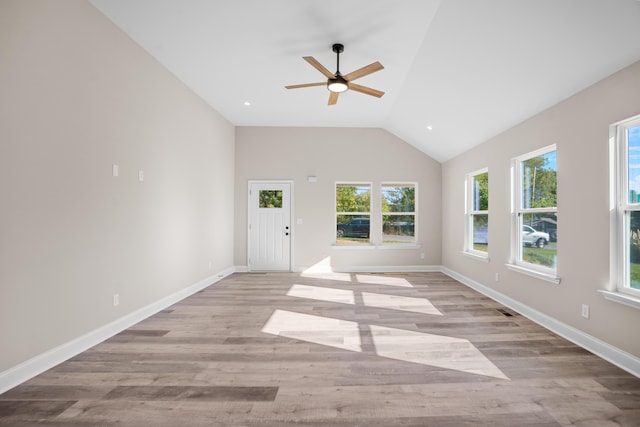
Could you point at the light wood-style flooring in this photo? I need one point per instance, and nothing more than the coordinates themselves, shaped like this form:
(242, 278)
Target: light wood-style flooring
(374, 350)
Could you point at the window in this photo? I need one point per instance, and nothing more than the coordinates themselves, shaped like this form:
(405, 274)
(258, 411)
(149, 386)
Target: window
(270, 199)
(535, 234)
(627, 227)
(353, 213)
(398, 213)
(478, 213)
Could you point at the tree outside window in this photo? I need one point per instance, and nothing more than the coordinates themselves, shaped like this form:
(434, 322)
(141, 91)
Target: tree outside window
(536, 210)
(628, 144)
(270, 199)
(398, 213)
(353, 213)
(478, 212)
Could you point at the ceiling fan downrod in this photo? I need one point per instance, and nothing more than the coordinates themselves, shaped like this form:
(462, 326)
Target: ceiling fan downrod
(337, 84)
(338, 49)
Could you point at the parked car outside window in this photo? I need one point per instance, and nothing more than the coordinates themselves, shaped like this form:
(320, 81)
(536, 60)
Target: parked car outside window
(532, 237)
(357, 227)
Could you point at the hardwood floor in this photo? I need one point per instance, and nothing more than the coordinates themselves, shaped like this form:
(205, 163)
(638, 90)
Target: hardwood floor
(375, 350)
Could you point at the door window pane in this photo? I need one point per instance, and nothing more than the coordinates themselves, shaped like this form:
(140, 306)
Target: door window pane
(270, 199)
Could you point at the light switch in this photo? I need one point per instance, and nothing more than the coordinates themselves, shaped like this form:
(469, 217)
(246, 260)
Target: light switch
(299, 221)
(116, 170)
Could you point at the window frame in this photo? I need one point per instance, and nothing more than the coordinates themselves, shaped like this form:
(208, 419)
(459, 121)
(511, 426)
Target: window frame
(620, 265)
(355, 215)
(517, 213)
(414, 213)
(470, 213)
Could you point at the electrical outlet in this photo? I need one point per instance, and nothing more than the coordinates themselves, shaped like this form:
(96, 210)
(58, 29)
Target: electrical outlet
(585, 311)
(116, 299)
(497, 277)
(422, 255)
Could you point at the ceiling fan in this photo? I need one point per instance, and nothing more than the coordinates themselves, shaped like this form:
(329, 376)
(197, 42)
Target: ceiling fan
(337, 83)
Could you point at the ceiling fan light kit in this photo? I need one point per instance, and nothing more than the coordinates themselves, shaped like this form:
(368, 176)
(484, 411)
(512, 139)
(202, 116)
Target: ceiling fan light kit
(336, 82)
(339, 84)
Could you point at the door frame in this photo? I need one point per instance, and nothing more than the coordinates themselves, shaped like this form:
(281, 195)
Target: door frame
(291, 221)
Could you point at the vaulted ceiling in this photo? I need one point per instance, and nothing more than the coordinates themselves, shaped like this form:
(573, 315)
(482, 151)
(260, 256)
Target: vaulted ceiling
(467, 69)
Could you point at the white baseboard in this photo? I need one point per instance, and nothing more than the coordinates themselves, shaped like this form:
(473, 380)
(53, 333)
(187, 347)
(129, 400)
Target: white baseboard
(47, 360)
(359, 269)
(616, 356)
(389, 269)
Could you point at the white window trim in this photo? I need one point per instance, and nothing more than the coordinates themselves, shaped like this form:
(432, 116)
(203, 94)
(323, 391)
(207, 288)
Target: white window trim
(618, 194)
(469, 213)
(477, 255)
(515, 263)
(547, 277)
(408, 245)
(621, 298)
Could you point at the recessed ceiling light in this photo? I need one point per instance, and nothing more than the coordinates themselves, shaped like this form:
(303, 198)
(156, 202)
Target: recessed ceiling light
(429, 127)
(247, 103)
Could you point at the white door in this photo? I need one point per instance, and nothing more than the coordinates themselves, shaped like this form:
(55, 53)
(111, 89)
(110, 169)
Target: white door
(269, 226)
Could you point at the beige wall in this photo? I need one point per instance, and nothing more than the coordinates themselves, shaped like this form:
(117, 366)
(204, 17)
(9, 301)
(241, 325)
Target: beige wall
(335, 154)
(579, 126)
(77, 95)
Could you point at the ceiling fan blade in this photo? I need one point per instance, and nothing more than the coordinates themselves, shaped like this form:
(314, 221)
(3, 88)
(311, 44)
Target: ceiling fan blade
(361, 72)
(318, 66)
(333, 98)
(306, 85)
(366, 90)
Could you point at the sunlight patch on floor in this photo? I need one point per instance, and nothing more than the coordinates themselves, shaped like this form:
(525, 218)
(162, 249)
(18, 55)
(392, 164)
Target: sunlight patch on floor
(336, 333)
(369, 299)
(383, 280)
(342, 296)
(397, 302)
(433, 350)
(322, 269)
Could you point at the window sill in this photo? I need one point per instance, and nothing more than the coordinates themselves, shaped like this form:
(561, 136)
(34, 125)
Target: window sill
(478, 257)
(621, 298)
(534, 273)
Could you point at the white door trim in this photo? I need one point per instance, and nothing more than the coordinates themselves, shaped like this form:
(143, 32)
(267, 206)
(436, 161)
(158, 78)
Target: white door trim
(291, 226)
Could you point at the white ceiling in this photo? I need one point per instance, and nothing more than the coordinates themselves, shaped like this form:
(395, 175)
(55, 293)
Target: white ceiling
(470, 69)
